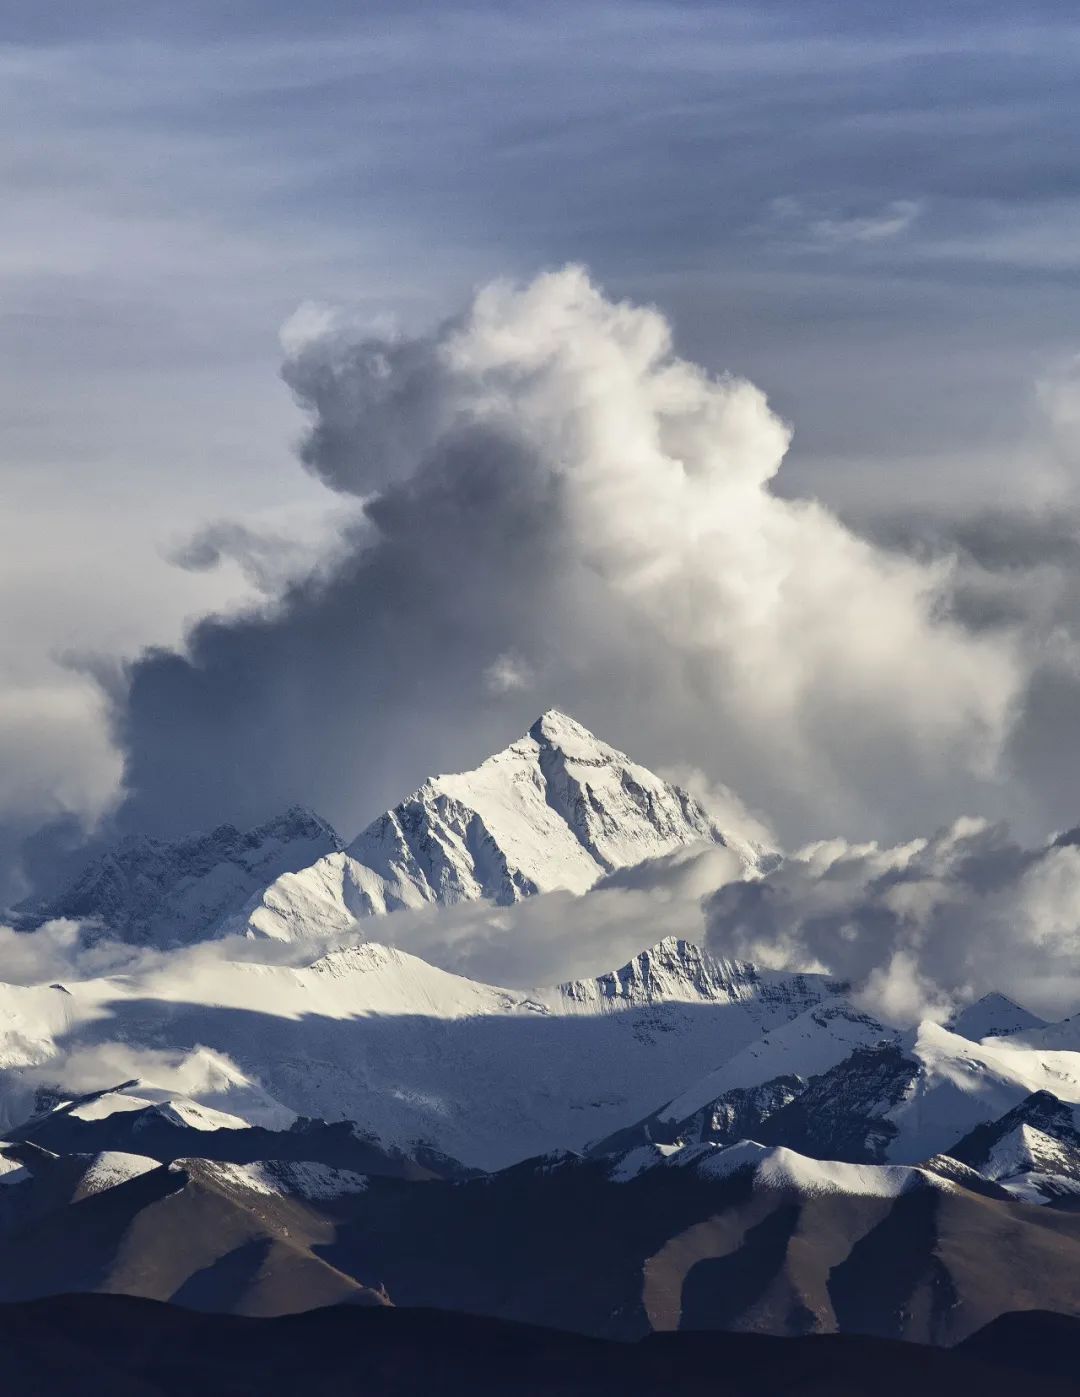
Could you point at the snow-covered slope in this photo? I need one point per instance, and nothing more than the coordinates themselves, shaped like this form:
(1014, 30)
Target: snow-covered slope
(808, 1045)
(280, 1178)
(167, 892)
(110, 1168)
(833, 1083)
(371, 1034)
(740, 1097)
(1033, 1165)
(556, 809)
(1033, 1150)
(960, 1084)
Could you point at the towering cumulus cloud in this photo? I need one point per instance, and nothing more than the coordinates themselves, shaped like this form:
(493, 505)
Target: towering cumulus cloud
(560, 510)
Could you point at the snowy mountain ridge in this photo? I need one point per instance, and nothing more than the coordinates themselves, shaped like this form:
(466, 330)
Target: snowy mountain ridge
(371, 1034)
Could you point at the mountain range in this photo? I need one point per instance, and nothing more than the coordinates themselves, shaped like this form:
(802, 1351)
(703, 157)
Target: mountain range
(558, 809)
(264, 1108)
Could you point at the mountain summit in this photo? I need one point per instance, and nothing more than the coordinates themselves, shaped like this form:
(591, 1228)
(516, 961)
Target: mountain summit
(558, 808)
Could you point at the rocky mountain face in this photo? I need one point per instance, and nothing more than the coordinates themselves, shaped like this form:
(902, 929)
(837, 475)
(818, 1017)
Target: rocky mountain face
(168, 892)
(1033, 1150)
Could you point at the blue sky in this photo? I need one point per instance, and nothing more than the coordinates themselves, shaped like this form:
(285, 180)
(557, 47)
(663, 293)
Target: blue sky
(872, 211)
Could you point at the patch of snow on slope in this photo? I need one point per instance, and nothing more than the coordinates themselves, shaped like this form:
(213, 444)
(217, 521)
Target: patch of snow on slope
(112, 1167)
(784, 1169)
(778, 1168)
(178, 1110)
(639, 1160)
(283, 1178)
(11, 1171)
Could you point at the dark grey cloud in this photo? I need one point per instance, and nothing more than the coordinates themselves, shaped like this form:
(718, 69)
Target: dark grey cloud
(268, 559)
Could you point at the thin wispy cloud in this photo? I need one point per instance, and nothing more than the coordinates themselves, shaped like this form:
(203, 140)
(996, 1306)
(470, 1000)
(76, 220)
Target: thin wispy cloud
(795, 219)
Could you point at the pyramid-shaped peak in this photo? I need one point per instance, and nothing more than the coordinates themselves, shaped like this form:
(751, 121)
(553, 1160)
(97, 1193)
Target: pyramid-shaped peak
(995, 1015)
(556, 731)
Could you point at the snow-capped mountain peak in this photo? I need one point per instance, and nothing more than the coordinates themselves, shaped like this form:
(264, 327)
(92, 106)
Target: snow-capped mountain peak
(556, 809)
(994, 1016)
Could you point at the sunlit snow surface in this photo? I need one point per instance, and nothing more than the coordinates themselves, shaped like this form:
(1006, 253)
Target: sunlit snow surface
(281, 1178)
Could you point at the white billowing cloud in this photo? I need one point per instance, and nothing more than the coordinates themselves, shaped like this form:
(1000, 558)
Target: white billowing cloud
(802, 638)
(507, 673)
(920, 926)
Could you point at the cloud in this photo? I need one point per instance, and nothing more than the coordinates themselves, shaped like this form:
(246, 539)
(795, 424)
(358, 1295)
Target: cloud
(559, 936)
(918, 926)
(508, 672)
(543, 478)
(542, 940)
(890, 220)
(268, 558)
(58, 765)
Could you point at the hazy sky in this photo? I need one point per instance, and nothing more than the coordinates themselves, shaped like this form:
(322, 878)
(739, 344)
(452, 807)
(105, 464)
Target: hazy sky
(870, 211)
